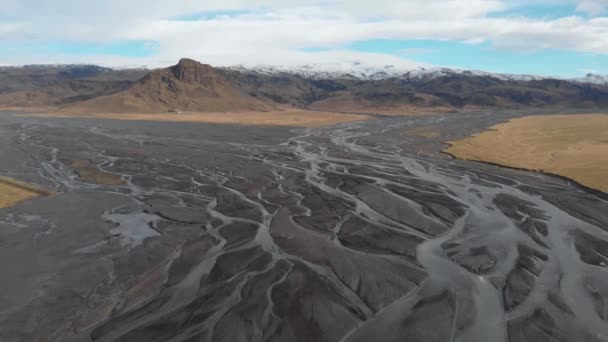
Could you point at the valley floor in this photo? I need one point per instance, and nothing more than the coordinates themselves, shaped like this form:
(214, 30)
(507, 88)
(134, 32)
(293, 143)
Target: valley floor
(362, 231)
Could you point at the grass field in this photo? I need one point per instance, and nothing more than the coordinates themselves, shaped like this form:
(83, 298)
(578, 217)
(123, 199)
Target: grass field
(573, 146)
(288, 117)
(13, 192)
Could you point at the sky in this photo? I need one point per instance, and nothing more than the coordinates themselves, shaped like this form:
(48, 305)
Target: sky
(562, 38)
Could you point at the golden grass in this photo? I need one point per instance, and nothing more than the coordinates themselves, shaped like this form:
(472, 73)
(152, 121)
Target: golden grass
(401, 110)
(429, 132)
(29, 109)
(89, 172)
(573, 146)
(362, 107)
(288, 117)
(347, 103)
(13, 192)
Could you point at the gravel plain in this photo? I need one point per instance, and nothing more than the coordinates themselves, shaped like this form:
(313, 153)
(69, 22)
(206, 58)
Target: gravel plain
(355, 232)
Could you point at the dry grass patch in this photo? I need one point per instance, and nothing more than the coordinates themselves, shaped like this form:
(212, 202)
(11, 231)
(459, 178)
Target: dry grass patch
(291, 117)
(429, 132)
(573, 146)
(90, 173)
(348, 104)
(13, 192)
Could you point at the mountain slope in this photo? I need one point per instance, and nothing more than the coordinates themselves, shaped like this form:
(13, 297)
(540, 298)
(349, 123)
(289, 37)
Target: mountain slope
(187, 86)
(55, 85)
(444, 91)
(594, 79)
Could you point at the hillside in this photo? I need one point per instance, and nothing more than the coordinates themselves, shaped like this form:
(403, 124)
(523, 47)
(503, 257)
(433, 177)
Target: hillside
(187, 86)
(57, 85)
(443, 91)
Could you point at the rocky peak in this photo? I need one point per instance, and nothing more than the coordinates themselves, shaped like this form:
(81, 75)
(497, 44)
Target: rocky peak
(191, 71)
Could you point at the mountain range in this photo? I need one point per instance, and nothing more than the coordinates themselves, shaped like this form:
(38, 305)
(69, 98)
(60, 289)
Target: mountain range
(195, 87)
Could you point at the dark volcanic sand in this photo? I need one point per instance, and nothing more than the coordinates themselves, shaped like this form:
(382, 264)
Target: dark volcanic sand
(350, 233)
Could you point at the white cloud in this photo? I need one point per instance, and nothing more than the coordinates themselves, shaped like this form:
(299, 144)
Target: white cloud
(593, 7)
(276, 31)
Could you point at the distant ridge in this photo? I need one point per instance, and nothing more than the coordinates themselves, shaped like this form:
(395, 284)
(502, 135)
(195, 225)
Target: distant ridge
(385, 90)
(374, 73)
(354, 70)
(190, 86)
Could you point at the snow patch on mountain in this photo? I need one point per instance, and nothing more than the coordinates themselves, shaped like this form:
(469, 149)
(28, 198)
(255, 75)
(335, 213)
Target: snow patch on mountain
(593, 78)
(361, 71)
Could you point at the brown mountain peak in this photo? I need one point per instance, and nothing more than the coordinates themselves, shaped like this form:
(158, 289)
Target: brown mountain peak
(184, 60)
(191, 71)
(187, 86)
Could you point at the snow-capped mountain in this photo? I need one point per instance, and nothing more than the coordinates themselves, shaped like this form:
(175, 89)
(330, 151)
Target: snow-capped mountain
(595, 79)
(361, 71)
(432, 73)
(357, 70)
(354, 70)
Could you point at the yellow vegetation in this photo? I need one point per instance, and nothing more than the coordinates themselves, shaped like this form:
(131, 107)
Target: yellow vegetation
(573, 146)
(290, 117)
(13, 192)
